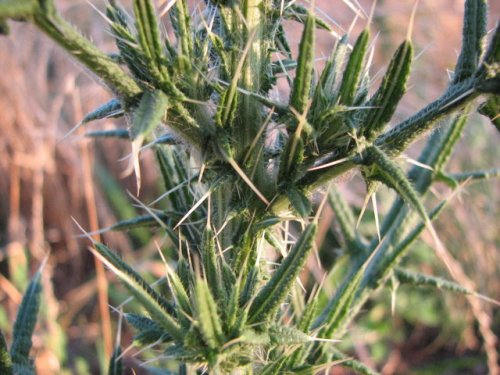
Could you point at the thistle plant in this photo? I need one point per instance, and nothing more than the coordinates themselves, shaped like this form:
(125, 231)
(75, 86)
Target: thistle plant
(240, 168)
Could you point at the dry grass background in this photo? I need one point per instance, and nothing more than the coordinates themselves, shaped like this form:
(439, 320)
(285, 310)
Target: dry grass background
(45, 179)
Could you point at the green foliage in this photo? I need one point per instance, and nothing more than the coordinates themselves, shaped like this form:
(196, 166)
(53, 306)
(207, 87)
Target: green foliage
(115, 363)
(231, 188)
(5, 360)
(17, 360)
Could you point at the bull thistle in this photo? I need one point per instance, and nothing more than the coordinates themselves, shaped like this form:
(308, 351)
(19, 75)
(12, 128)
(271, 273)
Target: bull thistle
(204, 98)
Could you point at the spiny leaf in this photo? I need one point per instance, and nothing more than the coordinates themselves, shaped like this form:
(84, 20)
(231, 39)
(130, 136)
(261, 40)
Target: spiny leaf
(287, 335)
(181, 25)
(353, 364)
(390, 92)
(114, 133)
(208, 319)
(473, 38)
(130, 52)
(149, 113)
(304, 324)
(333, 316)
(274, 368)
(185, 274)
(141, 322)
(306, 320)
(149, 330)
(180, 294)
(25, 324)
(402, 135)
(229, 100)
(305, 64)
(144, 221)
(276, 289)
(491, 109)
(353, 71)
(475, 175)
(5, 360)
(86, 52)
(488, 75)
(149, 299)
(115, 363)
(417, 279)
(148, 30)
(209, 258)
(400, 249)
(325, 94)
(344, 215)
(291, 160)
(389, 173)
(299, 201)
(151, 336)
(113, 108)
(232, 309)
(250, 285)
(441, 151)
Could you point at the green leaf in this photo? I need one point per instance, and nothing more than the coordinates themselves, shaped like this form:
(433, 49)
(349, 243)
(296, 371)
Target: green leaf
(389, 173)
(299, 201)
(441, 152)
(275, 290)
(389, 93)
(113, 108)
(326, 93)
(487, 77)
(358, 367)
(338, 308)
(148, 30)
(210, 266)
(149, 331)
(207, 317)
(354, 69)
(114, 133)
(475, 175)
(115, 363)
(305, 65)
(473, 39)
(181, 24)
(402, 246)
(291, 160)
(287, 335)
(344, 215)
(304, 324)
(274, 368)
(25, 325)
(87, 53)
(145, 221)
(148, 298)
(149, 113)
(5, 360)
(491, 109)
(130, 52)
(180, 294)
(420, 280)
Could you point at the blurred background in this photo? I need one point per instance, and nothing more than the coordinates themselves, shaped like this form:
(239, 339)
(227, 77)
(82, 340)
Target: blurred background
(48, 180)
